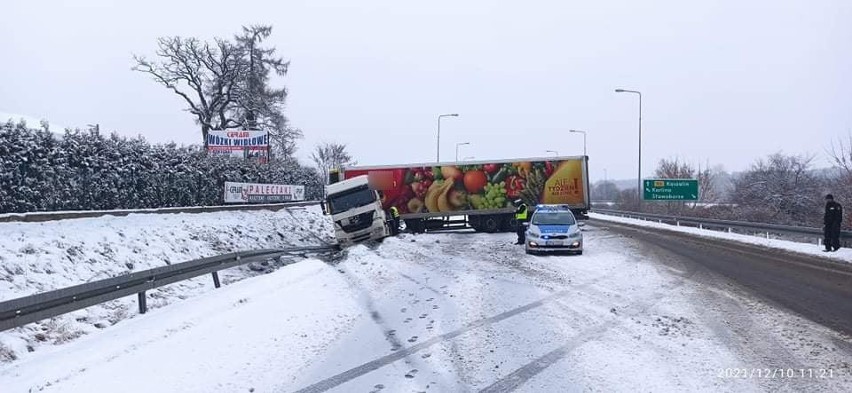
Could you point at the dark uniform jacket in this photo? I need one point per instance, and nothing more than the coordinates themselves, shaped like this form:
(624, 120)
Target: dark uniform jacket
(833, 214)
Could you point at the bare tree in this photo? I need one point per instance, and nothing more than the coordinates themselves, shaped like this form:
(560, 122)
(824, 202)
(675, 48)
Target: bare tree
(707, 184)
(605, 191)
(328, 156)
(781, 189)
(206, 76)
(672, 169)
(841, 155)
(627, 199)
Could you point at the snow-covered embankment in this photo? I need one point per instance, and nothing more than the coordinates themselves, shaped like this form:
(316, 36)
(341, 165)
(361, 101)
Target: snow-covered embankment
(39, 257)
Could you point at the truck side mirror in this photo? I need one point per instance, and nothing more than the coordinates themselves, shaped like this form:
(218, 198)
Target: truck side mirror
(324, 207)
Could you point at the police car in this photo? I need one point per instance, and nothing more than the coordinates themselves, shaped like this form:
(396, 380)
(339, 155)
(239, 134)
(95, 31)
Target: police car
(553, 228)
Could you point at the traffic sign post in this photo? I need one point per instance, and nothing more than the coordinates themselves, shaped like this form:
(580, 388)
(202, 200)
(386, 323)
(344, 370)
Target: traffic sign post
(670, 190)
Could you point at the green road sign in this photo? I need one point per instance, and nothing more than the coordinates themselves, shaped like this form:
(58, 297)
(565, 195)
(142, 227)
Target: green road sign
(670, 190)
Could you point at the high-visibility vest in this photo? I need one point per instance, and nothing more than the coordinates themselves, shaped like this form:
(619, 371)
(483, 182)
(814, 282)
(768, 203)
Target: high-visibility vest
(394, 212)
(521, 213)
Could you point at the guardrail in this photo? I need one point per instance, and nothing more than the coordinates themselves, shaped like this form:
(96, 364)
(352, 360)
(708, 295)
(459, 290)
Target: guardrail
(62, 215)
(728, 225)
(21, 311)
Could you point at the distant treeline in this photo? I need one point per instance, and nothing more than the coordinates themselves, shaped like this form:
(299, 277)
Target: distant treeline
(779, 189)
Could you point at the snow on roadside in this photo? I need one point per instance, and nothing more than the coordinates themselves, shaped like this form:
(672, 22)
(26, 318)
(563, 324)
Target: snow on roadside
(39, 257)
(252, 336)
(444, 312)
(844, 254)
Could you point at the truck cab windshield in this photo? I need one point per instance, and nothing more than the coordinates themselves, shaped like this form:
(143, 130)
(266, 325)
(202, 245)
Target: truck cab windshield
(349, 199)
(554, 218)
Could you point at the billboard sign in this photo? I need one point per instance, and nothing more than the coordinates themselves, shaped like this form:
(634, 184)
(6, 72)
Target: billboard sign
(262, 193)
(239, 143)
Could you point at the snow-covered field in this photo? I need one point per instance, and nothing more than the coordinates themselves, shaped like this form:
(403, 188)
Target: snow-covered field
(38, 257)
(453, 312)
(844, 254)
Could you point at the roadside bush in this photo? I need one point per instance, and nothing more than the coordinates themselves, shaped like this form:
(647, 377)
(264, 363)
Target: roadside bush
(84, 170)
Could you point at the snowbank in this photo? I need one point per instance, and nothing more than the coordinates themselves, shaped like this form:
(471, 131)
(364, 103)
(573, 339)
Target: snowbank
(844, 254)
(38, 257)
(244, 338)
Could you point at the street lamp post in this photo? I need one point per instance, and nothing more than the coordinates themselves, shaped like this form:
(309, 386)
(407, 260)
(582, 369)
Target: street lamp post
(639, 180)
(556, 153)
(584, 138)
(457, 148)
(438, 159)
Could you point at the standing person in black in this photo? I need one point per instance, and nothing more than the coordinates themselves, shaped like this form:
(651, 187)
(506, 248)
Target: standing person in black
(832, 220)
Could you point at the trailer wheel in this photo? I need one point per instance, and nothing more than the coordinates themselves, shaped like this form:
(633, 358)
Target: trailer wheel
(415, 225)
(510, 224)
(490, 224)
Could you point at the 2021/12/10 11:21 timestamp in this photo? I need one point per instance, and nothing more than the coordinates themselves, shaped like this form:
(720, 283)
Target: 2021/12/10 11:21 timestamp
(815, 373)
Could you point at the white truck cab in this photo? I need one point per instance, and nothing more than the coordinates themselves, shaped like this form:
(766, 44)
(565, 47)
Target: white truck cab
(356, 211)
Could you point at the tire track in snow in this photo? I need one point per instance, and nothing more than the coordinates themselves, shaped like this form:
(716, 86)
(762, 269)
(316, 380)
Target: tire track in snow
(523, 374)
(537, 274)
(368, 367)
(761, 350)
(369, 303)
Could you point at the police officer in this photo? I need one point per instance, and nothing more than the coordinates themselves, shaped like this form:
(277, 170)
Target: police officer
(832, 220)
(394, 213)
(521, 216)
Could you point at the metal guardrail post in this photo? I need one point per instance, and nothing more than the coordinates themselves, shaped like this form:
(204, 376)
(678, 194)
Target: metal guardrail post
(216, 279)
(143, 303)
(20, 311)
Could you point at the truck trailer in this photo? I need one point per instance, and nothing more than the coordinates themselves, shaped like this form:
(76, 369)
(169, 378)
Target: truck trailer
(466, 194)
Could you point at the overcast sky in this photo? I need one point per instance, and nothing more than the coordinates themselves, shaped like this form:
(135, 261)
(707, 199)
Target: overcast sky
(723, 82)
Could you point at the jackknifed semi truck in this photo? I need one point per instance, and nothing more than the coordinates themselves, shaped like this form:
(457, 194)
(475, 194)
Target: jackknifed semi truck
(451, 195)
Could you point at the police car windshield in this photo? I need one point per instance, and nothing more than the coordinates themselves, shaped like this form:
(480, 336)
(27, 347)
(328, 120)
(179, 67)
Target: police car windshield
(553, 218)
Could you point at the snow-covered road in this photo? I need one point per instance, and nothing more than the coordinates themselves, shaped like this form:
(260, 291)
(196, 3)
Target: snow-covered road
(458, 312)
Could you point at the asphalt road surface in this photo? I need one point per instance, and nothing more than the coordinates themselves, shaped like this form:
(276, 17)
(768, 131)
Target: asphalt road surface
(820, 289)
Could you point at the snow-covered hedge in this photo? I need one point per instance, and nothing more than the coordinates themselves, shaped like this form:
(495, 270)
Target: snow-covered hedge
(84, 170)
